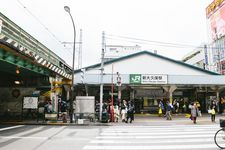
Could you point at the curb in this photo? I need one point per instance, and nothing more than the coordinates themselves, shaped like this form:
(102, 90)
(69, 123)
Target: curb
(54, 124)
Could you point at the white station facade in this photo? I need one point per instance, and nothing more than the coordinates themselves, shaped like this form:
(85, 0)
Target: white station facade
(146, 78)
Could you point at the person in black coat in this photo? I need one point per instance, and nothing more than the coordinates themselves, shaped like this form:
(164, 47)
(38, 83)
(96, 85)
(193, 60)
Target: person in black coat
(130, 112)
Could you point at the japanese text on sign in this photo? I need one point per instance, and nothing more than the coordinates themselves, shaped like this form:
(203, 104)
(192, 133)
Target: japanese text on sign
(154, 79)
(213, 6)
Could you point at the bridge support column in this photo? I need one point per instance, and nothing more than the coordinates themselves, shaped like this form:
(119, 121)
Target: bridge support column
(55, 92)
(170, 90)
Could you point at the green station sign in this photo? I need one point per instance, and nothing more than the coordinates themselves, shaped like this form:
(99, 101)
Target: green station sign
(135, 78)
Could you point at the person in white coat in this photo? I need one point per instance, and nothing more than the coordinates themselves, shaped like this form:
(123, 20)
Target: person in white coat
(124, 110)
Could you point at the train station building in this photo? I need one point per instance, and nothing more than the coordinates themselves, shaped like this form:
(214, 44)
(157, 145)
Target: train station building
(146, 78)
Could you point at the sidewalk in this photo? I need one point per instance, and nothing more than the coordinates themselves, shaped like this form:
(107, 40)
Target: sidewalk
(179, 119)
(139, 120)
(58, 123)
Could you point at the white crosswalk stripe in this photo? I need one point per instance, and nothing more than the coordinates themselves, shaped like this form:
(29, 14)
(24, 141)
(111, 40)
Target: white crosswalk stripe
(155, 138)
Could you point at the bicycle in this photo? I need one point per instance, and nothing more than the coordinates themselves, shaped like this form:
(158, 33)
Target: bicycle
(219, 137)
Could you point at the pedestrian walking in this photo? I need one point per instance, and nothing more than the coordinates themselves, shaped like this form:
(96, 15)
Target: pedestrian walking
(161, 108)
(213, 114)
(222, 105)
(199, 109)
(105, 112)
(48, 107)
(168, 111)
(41, 111)
(176, 106)
(194, 112)
(130, 112)
(116, 113)
(124, 110)
(111, 111)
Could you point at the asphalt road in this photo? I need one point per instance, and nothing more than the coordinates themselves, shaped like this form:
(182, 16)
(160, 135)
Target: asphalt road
(119, 137)
(47, 137)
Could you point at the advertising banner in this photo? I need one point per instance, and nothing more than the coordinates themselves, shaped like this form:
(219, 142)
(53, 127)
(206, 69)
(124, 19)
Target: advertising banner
(30, 102)
(217, 23)
(206, 55)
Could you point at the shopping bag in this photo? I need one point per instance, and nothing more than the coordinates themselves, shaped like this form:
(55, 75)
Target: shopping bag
(209, 111)
(187, 115)
(160, 111)
(199, 113)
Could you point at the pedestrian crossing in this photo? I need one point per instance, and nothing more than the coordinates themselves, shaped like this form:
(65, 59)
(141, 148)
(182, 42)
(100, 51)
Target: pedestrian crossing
(179, 137)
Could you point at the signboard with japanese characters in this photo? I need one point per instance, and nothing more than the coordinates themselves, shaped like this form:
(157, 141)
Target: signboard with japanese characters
(148, 79)
(153, 79)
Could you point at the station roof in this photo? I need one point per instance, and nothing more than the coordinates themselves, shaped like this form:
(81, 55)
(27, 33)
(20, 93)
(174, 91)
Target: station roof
(153, 55)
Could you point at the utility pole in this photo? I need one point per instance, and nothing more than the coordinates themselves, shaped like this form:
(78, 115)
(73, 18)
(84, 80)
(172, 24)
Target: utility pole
(80, 51)
(112, 99)
(112, 88)
(101, 75)
(119, 83)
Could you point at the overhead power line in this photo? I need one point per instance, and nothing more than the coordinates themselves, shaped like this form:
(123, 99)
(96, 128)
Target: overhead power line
(43, 25)
(146, 43)
(156, 43)
(39, 21)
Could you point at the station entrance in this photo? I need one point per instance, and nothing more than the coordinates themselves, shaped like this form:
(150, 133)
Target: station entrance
(146, 98)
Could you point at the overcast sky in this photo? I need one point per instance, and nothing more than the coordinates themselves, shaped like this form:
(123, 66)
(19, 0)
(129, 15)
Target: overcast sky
(166, 21)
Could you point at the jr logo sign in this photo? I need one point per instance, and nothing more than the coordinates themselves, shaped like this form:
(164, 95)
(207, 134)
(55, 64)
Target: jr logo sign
(135, 78)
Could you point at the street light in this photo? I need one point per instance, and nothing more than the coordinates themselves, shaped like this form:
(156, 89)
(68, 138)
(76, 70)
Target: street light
(67, 9)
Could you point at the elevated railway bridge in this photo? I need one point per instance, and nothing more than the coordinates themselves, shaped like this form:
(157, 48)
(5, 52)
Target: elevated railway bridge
(28, 69)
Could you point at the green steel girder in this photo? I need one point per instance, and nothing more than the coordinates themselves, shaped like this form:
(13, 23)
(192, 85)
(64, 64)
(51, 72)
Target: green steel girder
(2, 53)
(41, 70)
(8, 57)
(35, 68)
(28, 65)
(19, 62)
(15, 60)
